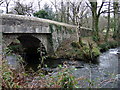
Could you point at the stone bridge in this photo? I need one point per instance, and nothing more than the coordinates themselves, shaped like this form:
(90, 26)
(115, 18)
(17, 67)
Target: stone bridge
(32, 31)
(35, 34)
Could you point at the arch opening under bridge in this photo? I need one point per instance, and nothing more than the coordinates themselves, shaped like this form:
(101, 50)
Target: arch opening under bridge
(30, 49)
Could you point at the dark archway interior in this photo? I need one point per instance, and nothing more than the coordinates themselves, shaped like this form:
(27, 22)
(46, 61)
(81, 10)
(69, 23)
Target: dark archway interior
(31, 54)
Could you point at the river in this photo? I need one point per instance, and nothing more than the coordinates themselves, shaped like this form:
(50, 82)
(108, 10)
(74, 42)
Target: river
(105, 74)
(102, 75)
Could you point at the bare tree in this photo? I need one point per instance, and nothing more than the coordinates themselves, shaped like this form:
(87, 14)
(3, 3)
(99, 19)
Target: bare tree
(95, 17)
(70, 11)
(7, 3)
(78, 12)
(39, 4)
(23, 9)
(1, 2)
(54, 3)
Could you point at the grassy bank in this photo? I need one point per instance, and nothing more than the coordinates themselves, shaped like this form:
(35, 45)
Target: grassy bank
(86, 49)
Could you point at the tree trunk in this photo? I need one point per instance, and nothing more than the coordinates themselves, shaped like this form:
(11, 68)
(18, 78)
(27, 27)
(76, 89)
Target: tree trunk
(67, 12)
(96, 29)
(73, 20)
(7, 8)
(118, 29)
(116, 8)
(108, 26)
(63, 15)
(95, 21)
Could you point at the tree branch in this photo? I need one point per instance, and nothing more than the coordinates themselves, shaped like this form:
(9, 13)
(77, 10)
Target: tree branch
(1, 2)
(99, 11)
(88, 5)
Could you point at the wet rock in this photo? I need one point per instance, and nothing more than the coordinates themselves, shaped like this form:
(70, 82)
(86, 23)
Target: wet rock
(13, 61)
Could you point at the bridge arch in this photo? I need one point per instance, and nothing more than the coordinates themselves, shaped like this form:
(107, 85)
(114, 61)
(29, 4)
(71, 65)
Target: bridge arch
(30, 48)
(33, 48)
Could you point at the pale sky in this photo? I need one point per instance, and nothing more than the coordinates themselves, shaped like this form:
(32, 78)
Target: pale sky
(42, 3)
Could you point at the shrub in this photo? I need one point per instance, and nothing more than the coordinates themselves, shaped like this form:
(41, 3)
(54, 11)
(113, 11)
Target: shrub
(8, 77)
(86, 52)
(107, 45)
(64, 78)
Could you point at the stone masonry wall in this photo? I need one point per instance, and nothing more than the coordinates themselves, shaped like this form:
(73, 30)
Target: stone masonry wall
(51, 37)
(61, 34)
(44, 38)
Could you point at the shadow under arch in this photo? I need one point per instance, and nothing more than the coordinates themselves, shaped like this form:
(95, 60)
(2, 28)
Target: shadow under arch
(30, 46)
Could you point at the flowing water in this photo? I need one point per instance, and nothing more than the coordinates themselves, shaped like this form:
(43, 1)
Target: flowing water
(104, 74)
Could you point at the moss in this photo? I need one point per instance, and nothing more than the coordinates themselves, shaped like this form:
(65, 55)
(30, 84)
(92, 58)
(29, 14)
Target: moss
(51, 28)
(96, 51)
(86, 54)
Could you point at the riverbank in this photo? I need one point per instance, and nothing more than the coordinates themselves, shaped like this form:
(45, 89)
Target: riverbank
(85, 50)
